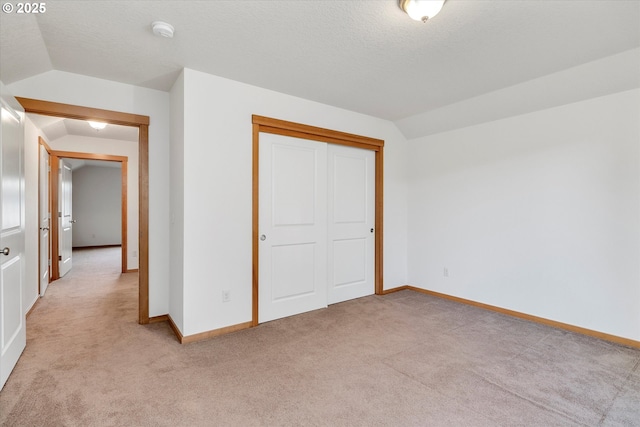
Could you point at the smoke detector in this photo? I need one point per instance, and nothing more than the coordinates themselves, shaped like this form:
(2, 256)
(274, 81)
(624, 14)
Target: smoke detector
(162, 29)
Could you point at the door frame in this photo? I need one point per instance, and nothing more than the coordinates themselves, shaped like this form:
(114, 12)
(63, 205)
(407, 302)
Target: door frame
(56, 109)
(263, 124)
(55, 197)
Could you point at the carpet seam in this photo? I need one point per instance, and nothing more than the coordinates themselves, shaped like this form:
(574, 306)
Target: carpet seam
(626, 380)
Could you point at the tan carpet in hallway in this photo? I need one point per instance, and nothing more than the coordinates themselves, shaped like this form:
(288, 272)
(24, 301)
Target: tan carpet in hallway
(405, 359)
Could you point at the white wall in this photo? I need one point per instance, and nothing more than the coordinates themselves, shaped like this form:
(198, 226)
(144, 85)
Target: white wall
(538, 213)
(97, 206)
(176, 190)
(217, 191)
(59, 86)
(115, 147)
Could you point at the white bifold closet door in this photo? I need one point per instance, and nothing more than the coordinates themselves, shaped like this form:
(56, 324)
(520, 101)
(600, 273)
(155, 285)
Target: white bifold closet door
(316, 212)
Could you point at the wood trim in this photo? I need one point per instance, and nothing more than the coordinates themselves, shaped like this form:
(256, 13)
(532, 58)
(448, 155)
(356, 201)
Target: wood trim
(315, 131)
(394, 290)
(89, 156)
(97, 247)
(133, 270)
(143, 224)
(44, 144)
(379, 214)
(47, 108)
(559, 325)
(114, 117)
(158, 319)
(255, 220)
(319, 138)
(123, 160)
(214, 333)
(298, 130)
(175, 329)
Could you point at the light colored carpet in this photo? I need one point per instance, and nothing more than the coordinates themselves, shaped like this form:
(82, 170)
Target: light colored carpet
(405, 359)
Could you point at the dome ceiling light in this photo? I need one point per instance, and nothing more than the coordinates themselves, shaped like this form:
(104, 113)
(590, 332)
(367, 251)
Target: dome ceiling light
(97, 125)
(421, 10)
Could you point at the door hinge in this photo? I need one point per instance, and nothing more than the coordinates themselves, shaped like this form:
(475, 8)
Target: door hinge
(59, 214)
(59, 257)
(49, 263)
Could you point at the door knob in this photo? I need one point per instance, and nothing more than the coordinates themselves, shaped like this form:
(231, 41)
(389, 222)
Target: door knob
(44, 228)
(6, 251)
(73, 221)
(263, 237)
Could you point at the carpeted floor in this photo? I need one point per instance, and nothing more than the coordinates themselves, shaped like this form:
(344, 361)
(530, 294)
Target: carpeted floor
(405, 359)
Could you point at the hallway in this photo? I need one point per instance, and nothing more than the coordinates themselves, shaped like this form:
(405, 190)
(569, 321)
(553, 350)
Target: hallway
(94, 289)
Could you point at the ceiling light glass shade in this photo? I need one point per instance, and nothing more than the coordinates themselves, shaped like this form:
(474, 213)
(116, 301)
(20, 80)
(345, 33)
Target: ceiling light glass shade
(421, 10)
(97, 125)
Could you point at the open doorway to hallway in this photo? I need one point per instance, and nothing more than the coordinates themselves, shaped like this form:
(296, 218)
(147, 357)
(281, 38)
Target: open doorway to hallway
(93, 188)
(139, 122)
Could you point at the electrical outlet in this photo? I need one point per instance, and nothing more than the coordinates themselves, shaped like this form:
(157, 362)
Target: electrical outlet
(445, 273)
(226, 295)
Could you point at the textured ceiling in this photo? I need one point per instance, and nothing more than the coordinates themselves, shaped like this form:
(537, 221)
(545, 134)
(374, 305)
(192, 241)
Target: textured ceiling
(362, 55)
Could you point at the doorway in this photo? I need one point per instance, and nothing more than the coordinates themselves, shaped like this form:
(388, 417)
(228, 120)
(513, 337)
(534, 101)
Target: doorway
(62, 247)
(100, 204)
(125, 119)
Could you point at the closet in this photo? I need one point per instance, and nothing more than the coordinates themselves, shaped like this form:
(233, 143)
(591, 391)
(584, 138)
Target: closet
(316, 224)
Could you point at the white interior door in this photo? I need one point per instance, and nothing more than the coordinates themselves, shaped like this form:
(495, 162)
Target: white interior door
(12, 238)
(45, 221)
(293, 226)
(351, 214)
(65, 240)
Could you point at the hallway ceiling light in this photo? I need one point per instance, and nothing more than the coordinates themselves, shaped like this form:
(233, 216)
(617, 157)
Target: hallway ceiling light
(162, 29)
(97, 125)
(421, 10)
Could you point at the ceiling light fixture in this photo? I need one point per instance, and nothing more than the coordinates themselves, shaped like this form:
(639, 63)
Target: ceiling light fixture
(421, 10)
(162, 29)
(97, 125)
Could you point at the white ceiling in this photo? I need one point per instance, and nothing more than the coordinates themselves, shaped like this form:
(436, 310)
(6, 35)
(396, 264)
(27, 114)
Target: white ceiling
(56, 127)
(362, 55)
(80, 163)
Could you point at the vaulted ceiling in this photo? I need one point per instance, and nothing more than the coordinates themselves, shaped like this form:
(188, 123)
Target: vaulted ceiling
(361, 55)
(57, 127)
